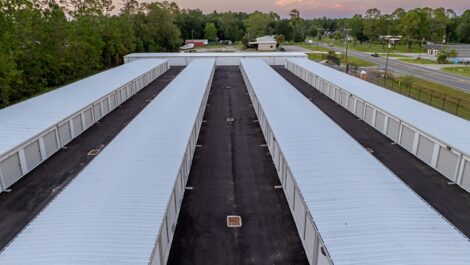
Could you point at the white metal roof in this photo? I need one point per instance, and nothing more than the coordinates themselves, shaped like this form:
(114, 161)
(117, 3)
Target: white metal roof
(364, 213)
(444, 126)
(216, 54)
(112, 211)
(27, 119)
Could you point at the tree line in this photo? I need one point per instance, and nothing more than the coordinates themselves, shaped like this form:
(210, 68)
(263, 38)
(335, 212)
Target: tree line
(48, 43)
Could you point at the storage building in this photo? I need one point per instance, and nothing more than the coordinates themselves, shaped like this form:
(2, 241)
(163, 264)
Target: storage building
(33, 130)
(123, 207)
(438, 138)
(221, 58)
(348, 207)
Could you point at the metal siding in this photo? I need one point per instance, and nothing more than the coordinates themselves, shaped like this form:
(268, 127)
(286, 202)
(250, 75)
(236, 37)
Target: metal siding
(11, 169)
(50, 143)
(77, 125)
(32, 154)
(466, 176)
(299, 213)
(310, 235)
(407, 138)
(447, 162)
(64, 133)
(425, 149)
(393, 129)
(379, 121)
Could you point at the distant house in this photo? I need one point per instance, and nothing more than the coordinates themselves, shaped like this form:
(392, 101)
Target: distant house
(463, 51)
(265, 43)
(197, 43)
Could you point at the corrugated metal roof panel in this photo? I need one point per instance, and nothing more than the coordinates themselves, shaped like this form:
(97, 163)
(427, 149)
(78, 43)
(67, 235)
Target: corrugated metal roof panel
(112, 211)
(27, 119)
(444, 126)
(364, 213)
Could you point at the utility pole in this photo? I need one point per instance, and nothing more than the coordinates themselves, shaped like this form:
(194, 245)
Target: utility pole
(318, 36)
(347, 48)
(386, 61)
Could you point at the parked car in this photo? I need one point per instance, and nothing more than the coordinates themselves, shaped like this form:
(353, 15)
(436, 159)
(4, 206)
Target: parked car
(374, 54)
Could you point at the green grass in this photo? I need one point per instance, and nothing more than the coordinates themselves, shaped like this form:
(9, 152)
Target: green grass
(459, 70)
(419, 61)
(377, 47)
(311, 47)
(315, 56)
(394, 55)
(439, 96)
(356, 61)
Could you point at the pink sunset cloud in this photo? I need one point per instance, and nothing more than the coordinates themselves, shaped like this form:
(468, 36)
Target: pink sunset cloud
(318, 8)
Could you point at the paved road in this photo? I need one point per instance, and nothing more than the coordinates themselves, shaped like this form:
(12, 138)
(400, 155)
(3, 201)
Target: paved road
(451, 201)
(233, 173)
(448, 79)
(34, 191)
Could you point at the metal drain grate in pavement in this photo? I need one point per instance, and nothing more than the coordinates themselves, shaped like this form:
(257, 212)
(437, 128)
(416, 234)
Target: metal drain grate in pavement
(234, 221)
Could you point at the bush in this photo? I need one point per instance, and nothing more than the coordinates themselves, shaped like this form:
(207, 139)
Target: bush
(442, 58)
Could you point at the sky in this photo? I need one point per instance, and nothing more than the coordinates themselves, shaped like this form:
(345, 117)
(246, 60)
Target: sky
(319, 8)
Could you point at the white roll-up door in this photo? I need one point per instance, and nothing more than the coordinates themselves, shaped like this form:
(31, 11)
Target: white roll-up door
(351, 104)
(393, 129)
(77, 125)
(50, 143)
(11, 169)
(369, 114)
(299, 211)
(289, 189)
(32, 154)
(104, 102)
(97, 111)
(379, 121)
(344, 100)
(310, 236)
(447, 162)
(112, 101)
(407, 138)
(466, 176)
(64, 133)
(359, 108)
(88, 118)
(425, 149)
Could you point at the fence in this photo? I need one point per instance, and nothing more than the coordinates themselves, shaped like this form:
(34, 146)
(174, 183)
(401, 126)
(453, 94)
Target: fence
(448, 103)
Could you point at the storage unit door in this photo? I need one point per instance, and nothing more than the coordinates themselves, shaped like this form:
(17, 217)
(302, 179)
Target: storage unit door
(11, 169)
(64, 134)
(447, 162)
(393, 129)
(32, 154)
(88, 118)
(97, 111)
(359, 108)
(466, 176)
(105, 106)
(112, 101)
(77, 125)
(407, 138)
(369, 114)
(425, 149)
(379, 121)
(344, 99)
(351, 104)
(50, 143)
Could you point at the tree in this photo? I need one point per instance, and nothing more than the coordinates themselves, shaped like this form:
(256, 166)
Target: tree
(356, 24)
(411, 26)
(230, 27)
(463, 29)
(284, 28)
(258, 24)
(210, 32)
(294, 21)
(372, 28)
